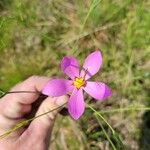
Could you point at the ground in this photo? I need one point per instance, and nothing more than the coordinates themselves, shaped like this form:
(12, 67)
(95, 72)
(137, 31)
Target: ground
(34, 37)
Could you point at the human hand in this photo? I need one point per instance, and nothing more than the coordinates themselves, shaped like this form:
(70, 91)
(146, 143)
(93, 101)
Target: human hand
(14, 107)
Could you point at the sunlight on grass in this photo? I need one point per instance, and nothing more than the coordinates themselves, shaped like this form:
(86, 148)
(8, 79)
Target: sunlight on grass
(35, 35)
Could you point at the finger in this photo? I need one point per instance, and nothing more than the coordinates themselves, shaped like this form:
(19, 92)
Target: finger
(16, 105)
(42, 126)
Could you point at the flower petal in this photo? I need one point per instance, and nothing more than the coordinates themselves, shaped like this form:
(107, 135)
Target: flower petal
(69, 66)
(57, 87)
(76, 104)
(92, 64)
(98, 90)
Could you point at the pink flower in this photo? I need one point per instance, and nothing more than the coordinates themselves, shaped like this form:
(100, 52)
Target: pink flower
(78, 83)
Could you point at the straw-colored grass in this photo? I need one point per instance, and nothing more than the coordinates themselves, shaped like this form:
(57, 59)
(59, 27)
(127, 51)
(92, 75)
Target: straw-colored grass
(35, 35)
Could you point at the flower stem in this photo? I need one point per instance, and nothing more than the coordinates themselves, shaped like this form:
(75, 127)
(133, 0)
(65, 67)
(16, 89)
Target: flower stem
(25, 122)
(2, 93)
(115, 135)
(98, 114)
(125, 109)
(104, 131)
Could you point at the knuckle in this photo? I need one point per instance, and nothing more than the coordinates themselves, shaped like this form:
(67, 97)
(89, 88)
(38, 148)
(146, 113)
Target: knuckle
(33, 78)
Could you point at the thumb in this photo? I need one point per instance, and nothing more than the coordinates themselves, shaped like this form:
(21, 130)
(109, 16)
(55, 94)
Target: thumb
(41, 127)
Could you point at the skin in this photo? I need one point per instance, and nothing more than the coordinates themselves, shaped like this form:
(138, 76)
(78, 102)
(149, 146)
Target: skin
(14, 107)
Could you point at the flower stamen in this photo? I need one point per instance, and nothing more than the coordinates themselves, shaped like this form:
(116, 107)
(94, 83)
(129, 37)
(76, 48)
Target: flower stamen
(85, 73)
(79, 82)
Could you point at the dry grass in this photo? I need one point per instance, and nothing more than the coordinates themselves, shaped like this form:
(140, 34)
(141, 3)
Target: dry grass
(35, 35)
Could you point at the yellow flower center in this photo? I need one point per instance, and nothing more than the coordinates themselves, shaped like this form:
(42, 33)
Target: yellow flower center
(78, 82)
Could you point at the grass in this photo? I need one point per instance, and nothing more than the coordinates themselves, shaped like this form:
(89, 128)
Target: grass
(35, 35)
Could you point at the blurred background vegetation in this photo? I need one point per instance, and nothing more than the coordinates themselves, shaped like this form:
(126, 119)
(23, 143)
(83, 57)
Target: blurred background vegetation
(35, 35)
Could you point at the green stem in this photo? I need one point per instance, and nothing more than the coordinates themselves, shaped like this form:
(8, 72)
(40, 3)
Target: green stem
(104, 131)
(11, 92)
(124, 109)
(92, 6)
(98, 114)
(23, 123)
